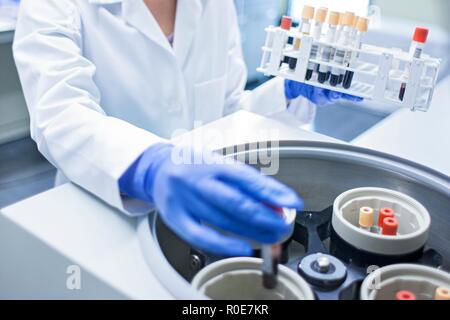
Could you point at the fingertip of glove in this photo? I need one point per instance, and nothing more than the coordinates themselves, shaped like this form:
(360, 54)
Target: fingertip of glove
(334, 95)
(300, 204)
(352, 98)
(290, 200)
(288, 90)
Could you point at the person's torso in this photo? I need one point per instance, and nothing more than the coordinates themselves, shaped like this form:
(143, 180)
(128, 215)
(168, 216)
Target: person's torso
(141, 78)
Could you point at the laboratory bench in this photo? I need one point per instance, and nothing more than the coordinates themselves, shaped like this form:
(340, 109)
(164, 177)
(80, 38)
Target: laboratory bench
(420, 137)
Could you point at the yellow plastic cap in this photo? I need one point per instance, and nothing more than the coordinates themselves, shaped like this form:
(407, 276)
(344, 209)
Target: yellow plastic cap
(333, 19)
(347, 19)
(321, 14)
(355, 21)
(366, 217)
(341, 18)
(308, 12)
(442, 294)
(362, 25)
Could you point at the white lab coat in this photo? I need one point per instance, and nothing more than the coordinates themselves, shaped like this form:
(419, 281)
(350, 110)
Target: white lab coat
(103, 84)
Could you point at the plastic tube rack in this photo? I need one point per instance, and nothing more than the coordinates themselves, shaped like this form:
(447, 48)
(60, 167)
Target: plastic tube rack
(378, 72)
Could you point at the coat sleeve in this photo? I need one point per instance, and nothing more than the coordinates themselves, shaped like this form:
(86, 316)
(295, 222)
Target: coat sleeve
(268, 98)
(68, 124)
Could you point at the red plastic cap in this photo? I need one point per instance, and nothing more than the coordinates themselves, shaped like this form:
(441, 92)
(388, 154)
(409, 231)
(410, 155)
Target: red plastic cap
(385, 213)
(286, 23)
(421, 35)
(278, 210)
(390, 226)
(405, 295)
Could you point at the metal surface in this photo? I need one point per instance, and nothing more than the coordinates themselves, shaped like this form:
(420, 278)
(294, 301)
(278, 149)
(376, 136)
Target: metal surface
(320, 172)
(332, 275)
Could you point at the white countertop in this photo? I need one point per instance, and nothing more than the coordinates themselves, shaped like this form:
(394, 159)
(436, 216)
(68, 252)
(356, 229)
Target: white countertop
(68, 222)
(420, 137)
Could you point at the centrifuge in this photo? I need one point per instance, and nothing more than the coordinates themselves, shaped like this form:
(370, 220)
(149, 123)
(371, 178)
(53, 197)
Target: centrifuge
(67, 244)
(327, 256)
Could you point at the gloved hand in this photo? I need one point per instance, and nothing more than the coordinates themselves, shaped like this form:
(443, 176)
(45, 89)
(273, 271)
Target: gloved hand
(316, 95)
(228, 195)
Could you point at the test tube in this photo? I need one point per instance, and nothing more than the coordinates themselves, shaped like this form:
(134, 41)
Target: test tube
(405, 295)
(442, 294)
(390, 227)
(385, 213)
(326, 52)
(365, 218)
(271, 257)
(415, 51)
(348, 54)
(304, 28)
(344, 40)
(286, 24)
(362, 26)
(321, 15)
(354, 28)
(340, 26)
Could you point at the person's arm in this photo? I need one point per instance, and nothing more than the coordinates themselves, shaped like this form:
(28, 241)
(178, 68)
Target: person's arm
(67, 122)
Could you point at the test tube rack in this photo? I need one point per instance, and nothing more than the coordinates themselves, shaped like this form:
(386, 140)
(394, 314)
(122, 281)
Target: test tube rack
(378, 72)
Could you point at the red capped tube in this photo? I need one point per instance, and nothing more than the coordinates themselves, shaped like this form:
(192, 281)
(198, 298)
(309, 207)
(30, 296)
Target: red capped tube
(405, 295)
(390, 227)
(385, 213)
(286, 23)
(415, 51)
(420, 35)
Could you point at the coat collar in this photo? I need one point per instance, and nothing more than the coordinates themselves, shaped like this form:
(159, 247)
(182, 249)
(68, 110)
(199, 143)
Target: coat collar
(189, 13)
(136, 14)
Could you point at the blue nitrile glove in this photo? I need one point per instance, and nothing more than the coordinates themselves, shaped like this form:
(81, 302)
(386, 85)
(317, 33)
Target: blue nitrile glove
(316, 95)
(228, 195)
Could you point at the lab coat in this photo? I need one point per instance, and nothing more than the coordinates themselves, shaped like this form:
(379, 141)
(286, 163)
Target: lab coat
(102, 83)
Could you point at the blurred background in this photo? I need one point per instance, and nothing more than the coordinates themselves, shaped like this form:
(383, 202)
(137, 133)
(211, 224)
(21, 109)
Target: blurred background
(23, 172)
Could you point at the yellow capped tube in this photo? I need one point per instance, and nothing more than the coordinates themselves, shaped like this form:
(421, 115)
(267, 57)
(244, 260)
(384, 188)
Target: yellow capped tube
(366, 218)
(442, 294)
